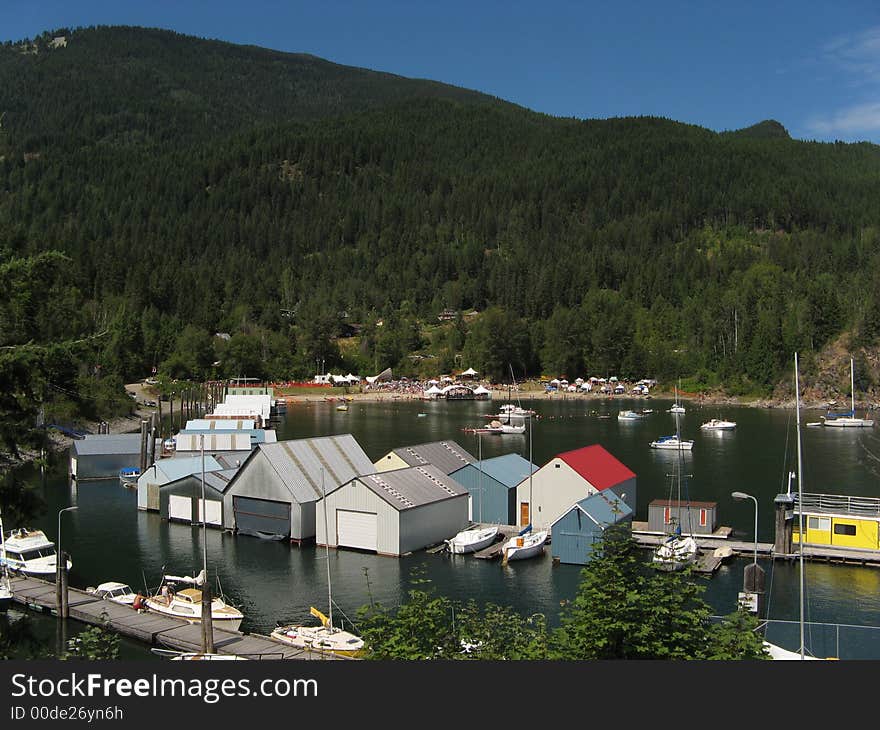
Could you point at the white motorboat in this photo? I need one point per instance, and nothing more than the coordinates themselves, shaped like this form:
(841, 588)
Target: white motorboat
(128, 476)
(469, 541)
(525, 546)
(326, 637)
(30, 552)
(630, 416)
(848, 419)
(676, 552)
(672, 442)
(718, 424)
(5, 583)
(677, 407)
(186, 604)
(114, 591)
(510, 412)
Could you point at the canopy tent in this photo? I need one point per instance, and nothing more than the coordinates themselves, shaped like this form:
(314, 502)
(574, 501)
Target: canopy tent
(480, 390)
(433, 390)
(469, 373)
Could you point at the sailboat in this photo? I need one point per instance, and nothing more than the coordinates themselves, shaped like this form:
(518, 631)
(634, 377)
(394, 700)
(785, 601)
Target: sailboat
(528, 543)
(5, 584)
(186, 604)
(326, 637)
(677, 551)
(849, 418)
(677, 407)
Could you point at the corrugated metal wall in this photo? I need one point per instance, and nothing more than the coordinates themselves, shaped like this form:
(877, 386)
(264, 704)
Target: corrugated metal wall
(498, 502)
(421, 527)
(355, 496)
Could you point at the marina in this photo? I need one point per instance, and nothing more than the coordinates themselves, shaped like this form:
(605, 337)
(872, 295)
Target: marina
(276, 582)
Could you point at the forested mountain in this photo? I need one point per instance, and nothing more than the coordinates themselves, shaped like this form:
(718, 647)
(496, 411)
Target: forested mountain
(197, 186)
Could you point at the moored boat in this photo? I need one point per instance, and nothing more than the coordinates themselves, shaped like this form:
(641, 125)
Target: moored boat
(718, 424)
(30, 552)
(469, 541)
(524, 546)
(128, 475)
(326, 637)
(672, 442)
(186, 604)
(114, 591)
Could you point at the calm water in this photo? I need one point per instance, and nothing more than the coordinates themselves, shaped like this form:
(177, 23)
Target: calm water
(274, 582)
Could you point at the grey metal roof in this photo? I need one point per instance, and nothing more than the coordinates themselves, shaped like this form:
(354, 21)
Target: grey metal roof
(231, 459)
(447, 456)
(100, 444)
(177, 468)
(413, 487)
(204, 424)
(602, 508)
(300, 464)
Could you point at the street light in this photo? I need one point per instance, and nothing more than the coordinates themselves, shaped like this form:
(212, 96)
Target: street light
(740, 496)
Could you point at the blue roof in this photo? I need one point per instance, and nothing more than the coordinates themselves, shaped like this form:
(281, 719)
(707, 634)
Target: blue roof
(603, 507)
(508, 469)
(175, 468)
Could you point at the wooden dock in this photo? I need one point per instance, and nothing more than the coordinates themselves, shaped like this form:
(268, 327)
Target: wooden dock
(152, 628)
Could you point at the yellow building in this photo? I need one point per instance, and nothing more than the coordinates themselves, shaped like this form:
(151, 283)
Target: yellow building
(839, 521)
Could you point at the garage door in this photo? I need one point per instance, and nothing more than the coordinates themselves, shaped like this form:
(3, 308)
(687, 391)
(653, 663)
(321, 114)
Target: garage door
(261, 517)
(179, 508)
(214, 512)
(357, 529)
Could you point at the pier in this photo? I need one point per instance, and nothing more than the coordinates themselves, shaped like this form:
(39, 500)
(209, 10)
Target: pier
(152, 628)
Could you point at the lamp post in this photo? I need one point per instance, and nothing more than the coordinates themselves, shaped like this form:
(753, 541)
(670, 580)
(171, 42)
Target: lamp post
(61, 571)
(741, 496)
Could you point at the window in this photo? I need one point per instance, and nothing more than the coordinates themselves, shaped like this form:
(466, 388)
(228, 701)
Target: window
(845, 530)
(819, 523)
(667, 516)
(703, 517)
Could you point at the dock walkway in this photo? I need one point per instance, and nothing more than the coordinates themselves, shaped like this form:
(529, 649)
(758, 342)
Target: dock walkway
(151, 628)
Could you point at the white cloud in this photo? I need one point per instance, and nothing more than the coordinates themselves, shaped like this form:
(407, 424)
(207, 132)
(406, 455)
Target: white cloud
(855, 120)
(857, 54)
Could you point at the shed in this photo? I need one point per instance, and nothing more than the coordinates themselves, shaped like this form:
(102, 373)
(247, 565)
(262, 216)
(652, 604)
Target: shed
(695, 518)
(447, 456)
(205, 424)
(98, 456)
(180, 500)
(168, 470)
(575, 531)
(394, 513)
(492, 487)
(568, 478)
(278, 485)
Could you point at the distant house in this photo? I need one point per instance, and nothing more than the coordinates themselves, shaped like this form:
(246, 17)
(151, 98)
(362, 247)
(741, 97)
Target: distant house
(447, 314)
(576, 530)
(568, 478)
(697, 518)
(164, 471)
(447, 456)
(491, 485)
(98, 456)
(395, 512)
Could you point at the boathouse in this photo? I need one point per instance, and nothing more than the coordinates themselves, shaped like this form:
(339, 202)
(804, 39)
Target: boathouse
(181, 500)
(276, 490)
(695, 518)
(575, 531)
(393, 513)
(98, 456)
(491, 485)
(447, 456)
(164, 471)
(568, 478)
(837, 520)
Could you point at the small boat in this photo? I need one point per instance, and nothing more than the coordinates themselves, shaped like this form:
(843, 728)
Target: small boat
(342, 407)
(30, 552)
(509, 412)
(469, 541)
(128, 475)
(672, 442)
(495, 427)
(325, 637)
(114, 591)
(629, 416)
(717, 424)
(186, 604)
(5, 583)
(848, 419)
(676, 552)
(677, 407)
(524, 546)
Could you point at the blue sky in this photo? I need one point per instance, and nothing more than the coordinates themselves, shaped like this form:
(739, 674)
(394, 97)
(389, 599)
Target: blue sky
(814, 67)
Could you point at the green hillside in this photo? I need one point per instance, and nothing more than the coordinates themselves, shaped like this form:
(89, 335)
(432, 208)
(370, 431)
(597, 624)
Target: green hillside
(198, 186)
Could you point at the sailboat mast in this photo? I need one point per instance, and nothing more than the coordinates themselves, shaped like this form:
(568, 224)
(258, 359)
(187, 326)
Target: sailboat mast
(327, 546)
(204, 513)
(797, 400)
(852, 386)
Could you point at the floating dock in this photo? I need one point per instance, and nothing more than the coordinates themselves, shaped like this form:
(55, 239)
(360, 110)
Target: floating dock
(152, 628)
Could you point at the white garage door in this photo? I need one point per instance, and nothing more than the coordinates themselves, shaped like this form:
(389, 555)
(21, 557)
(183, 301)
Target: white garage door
(357, 529)
(214, 512)
(179, 508)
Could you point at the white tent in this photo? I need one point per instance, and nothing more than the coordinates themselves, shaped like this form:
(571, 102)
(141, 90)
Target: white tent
(480, 390)
(433, 390)
(555, 381)
(470, 372)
